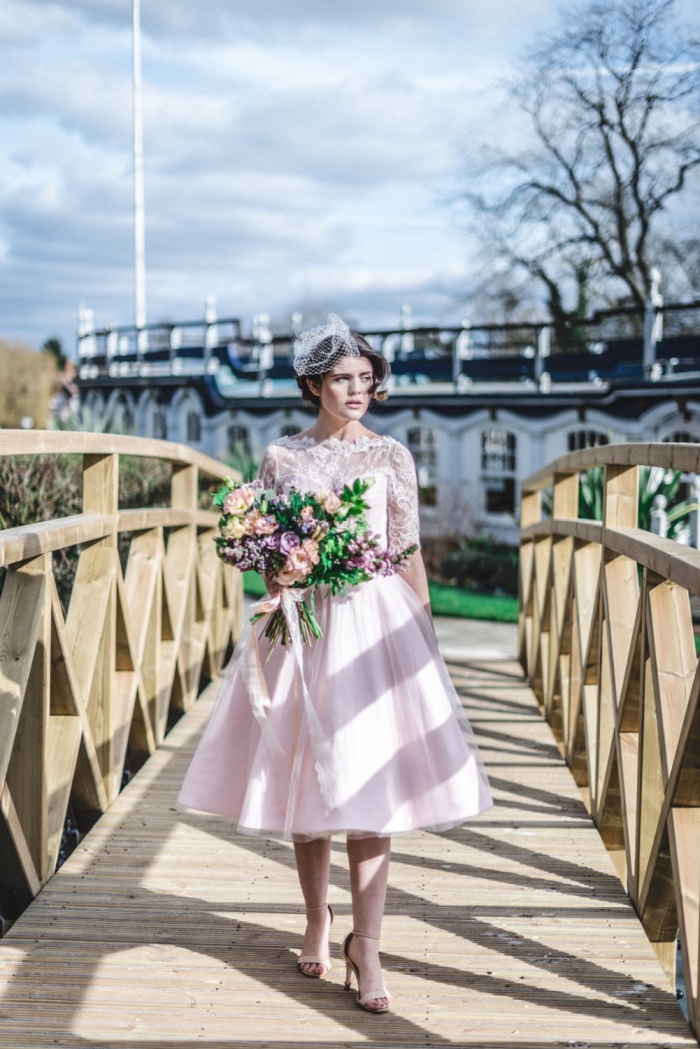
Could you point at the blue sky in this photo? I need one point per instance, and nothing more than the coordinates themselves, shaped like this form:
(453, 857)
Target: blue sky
(299, 154)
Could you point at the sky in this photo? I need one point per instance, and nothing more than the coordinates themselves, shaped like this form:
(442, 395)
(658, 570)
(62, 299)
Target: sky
(299, 155)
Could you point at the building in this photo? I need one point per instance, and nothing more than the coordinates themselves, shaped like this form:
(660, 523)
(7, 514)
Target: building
(479, 408)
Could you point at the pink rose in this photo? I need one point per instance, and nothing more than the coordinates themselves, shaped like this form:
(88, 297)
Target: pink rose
(307, 512)
(331, 503)
(238, 501)
(310, 548)
(265, 526)
(298, 561)
(250, 522)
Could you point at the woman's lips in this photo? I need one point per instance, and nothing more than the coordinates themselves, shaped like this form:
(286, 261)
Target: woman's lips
(353, 404)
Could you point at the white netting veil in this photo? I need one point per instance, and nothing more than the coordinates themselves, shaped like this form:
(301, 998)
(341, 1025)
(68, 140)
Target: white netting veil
(318, 349)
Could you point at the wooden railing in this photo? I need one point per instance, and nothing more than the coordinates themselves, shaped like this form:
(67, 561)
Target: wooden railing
(82, 694)
(606, 639)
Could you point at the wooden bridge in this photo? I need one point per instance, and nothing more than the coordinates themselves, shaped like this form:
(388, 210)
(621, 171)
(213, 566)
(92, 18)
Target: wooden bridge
(168, 929)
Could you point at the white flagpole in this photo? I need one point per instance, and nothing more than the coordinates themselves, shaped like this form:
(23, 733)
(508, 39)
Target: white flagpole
(139, 216)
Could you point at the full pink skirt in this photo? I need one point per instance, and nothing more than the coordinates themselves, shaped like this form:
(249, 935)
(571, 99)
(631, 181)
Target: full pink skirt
(403, 754)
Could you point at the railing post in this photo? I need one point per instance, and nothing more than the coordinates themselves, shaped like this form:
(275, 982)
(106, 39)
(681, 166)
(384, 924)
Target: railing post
(181, 559)
(530, 508)
(91, 623)
(611, 781)
(565, 496)
(25, 649)
(621, 499)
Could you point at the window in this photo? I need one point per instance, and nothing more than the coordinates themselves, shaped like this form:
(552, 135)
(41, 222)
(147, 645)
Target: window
(194, 427)
(498, 464)
(239, 438)
(500, 495)
(289, 430)
(498, 451)
(127, 419)
(681, 437)
(422, 444)
(579, 439)
(160, 426)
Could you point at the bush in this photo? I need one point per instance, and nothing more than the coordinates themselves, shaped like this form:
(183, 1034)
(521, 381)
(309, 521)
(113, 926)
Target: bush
(27, 384)
(43, 487)
(483, 565)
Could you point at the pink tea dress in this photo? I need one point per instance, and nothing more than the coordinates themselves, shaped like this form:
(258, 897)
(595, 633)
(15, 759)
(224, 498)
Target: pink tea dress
(367, 736)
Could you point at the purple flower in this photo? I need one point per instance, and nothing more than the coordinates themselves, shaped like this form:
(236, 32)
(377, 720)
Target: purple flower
(273, 541)
(288, 542)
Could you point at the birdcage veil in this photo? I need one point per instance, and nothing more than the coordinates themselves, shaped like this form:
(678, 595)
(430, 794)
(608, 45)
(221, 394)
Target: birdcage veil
(318, 349)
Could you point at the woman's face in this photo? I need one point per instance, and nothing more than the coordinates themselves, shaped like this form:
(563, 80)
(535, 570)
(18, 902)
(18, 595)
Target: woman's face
(346, 390)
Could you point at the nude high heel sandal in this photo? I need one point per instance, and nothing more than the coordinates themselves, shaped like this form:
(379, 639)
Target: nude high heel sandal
(316, 959)
(351, 968)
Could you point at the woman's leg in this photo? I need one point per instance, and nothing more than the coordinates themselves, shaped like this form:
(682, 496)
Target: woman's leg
(313, 866)
(369, 871)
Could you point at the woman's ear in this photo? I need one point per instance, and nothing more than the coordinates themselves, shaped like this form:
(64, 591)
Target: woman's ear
(314, 385)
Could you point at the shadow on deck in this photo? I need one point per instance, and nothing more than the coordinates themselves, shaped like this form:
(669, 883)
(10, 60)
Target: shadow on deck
(167, 929)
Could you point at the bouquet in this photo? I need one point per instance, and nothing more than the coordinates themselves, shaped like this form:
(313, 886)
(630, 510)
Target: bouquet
(301, 541)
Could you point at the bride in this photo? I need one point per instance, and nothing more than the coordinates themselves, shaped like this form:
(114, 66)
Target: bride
(397, 746)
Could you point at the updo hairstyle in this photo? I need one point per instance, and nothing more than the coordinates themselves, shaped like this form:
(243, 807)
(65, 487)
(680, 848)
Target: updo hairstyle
(380, 369)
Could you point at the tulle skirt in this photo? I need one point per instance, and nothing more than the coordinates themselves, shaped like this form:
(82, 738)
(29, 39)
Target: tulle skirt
(398, 747)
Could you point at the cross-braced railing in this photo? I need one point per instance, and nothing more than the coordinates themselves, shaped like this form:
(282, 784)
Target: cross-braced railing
(607, 642)
(85, 692)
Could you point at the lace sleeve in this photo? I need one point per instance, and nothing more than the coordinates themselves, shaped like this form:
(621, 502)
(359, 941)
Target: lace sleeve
(267, 471)
(403, 522)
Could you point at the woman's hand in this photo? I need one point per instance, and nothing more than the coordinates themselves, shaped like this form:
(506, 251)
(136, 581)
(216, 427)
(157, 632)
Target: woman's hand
(417, 578)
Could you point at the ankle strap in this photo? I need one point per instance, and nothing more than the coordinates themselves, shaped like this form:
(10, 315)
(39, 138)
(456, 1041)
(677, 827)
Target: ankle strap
(365, 935)
(323, 907)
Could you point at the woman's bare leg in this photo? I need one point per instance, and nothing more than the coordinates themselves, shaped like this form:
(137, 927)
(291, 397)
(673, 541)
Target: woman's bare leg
(313, 866)
(369, 871)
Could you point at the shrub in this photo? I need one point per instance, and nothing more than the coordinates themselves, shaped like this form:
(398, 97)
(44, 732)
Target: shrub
(483, 564)
(43, 487)
(27, 383)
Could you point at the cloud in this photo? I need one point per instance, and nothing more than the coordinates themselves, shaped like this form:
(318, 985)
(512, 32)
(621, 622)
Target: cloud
(210, 18)
(295, 151)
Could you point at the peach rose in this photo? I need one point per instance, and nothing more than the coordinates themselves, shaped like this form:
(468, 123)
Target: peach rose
(265, 526)
(250, 521)
(310, 548)
(238, 501)
(307, 512)
(331, 502)
(285, 578)
(298, 561)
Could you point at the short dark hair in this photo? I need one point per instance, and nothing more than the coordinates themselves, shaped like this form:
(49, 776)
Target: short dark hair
(380, 369)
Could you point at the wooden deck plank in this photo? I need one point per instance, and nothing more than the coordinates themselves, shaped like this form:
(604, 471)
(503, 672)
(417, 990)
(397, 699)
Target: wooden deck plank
(167, 929)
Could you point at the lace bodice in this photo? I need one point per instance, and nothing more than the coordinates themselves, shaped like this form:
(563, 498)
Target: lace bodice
(302, 463)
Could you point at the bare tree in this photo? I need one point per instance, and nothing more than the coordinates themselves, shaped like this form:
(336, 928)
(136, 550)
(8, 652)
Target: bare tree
(613, 103)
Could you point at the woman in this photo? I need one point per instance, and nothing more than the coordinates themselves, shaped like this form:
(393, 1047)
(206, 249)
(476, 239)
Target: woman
(386, 748)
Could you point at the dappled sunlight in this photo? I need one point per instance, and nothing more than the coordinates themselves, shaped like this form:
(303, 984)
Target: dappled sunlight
(168, 928)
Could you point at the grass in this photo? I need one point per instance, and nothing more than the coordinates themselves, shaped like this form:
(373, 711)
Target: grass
(445, 601)
(253, 585)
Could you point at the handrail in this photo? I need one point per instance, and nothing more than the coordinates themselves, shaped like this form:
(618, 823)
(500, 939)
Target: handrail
(607, 642)
(60, 442)
(685, 457)
(88, 694)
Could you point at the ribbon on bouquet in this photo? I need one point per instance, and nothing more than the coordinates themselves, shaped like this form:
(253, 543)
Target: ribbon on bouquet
(326, 769)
